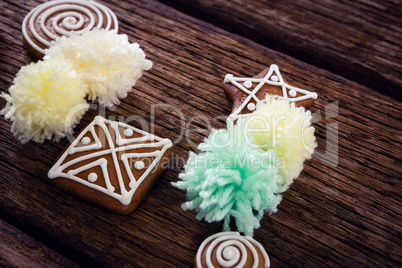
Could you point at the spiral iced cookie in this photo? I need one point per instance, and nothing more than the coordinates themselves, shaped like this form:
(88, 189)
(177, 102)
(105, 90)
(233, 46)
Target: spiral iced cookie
(230, 249)
(53, 19)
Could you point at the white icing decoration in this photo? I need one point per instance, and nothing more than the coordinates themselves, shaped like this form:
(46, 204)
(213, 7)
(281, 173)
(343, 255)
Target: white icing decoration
(70, 14)
(229, 252)
(139, 165)
(117, 152)
(128, 132)
(292, 93)
(248, 84)
(70, 23)
(92, 177)
(96, 145)
(274, 74)
(231, 248)
(251, 106)
(85, 140)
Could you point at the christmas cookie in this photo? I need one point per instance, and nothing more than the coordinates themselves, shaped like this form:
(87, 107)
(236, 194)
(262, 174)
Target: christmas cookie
(247, 92)
(112, 164)
(241, 172)
(53, 19)
(230, 249)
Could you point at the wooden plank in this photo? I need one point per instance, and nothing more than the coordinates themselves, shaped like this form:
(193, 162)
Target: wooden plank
(359, 40)
(17, 249)
(343, 211)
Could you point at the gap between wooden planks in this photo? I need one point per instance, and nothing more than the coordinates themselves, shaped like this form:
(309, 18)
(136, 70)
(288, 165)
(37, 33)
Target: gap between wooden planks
(344, 214)
(359, 40)
(21, 249)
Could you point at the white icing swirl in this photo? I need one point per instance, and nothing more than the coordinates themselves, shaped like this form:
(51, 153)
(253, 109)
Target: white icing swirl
(67, 16)
(231, 249)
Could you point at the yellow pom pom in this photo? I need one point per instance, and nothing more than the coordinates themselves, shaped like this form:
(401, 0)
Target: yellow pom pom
(45, 101)
(279, 125)
(109, 64)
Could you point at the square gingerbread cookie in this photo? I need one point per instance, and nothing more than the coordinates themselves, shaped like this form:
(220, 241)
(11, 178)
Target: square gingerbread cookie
(112, 164)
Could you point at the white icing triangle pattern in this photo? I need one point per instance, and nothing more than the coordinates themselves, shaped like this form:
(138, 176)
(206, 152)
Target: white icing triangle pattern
(273, 77)
(122, 144)
(92, 144)
(102, 163)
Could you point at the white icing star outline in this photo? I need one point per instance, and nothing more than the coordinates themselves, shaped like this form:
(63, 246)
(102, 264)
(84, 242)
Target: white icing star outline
(274, 72)
(123, 144)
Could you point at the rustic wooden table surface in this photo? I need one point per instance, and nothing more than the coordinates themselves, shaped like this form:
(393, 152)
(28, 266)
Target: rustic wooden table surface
(345, 209)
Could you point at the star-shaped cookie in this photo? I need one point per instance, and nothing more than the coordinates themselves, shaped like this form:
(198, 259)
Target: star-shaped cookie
(247, 92)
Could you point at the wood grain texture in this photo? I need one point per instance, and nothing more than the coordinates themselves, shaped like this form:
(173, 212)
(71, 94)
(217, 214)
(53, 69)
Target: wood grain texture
(359, 40)
(343, 211)
(17, 249)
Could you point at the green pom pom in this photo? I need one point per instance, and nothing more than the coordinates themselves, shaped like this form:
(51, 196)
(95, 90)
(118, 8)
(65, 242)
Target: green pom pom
(231, 179)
